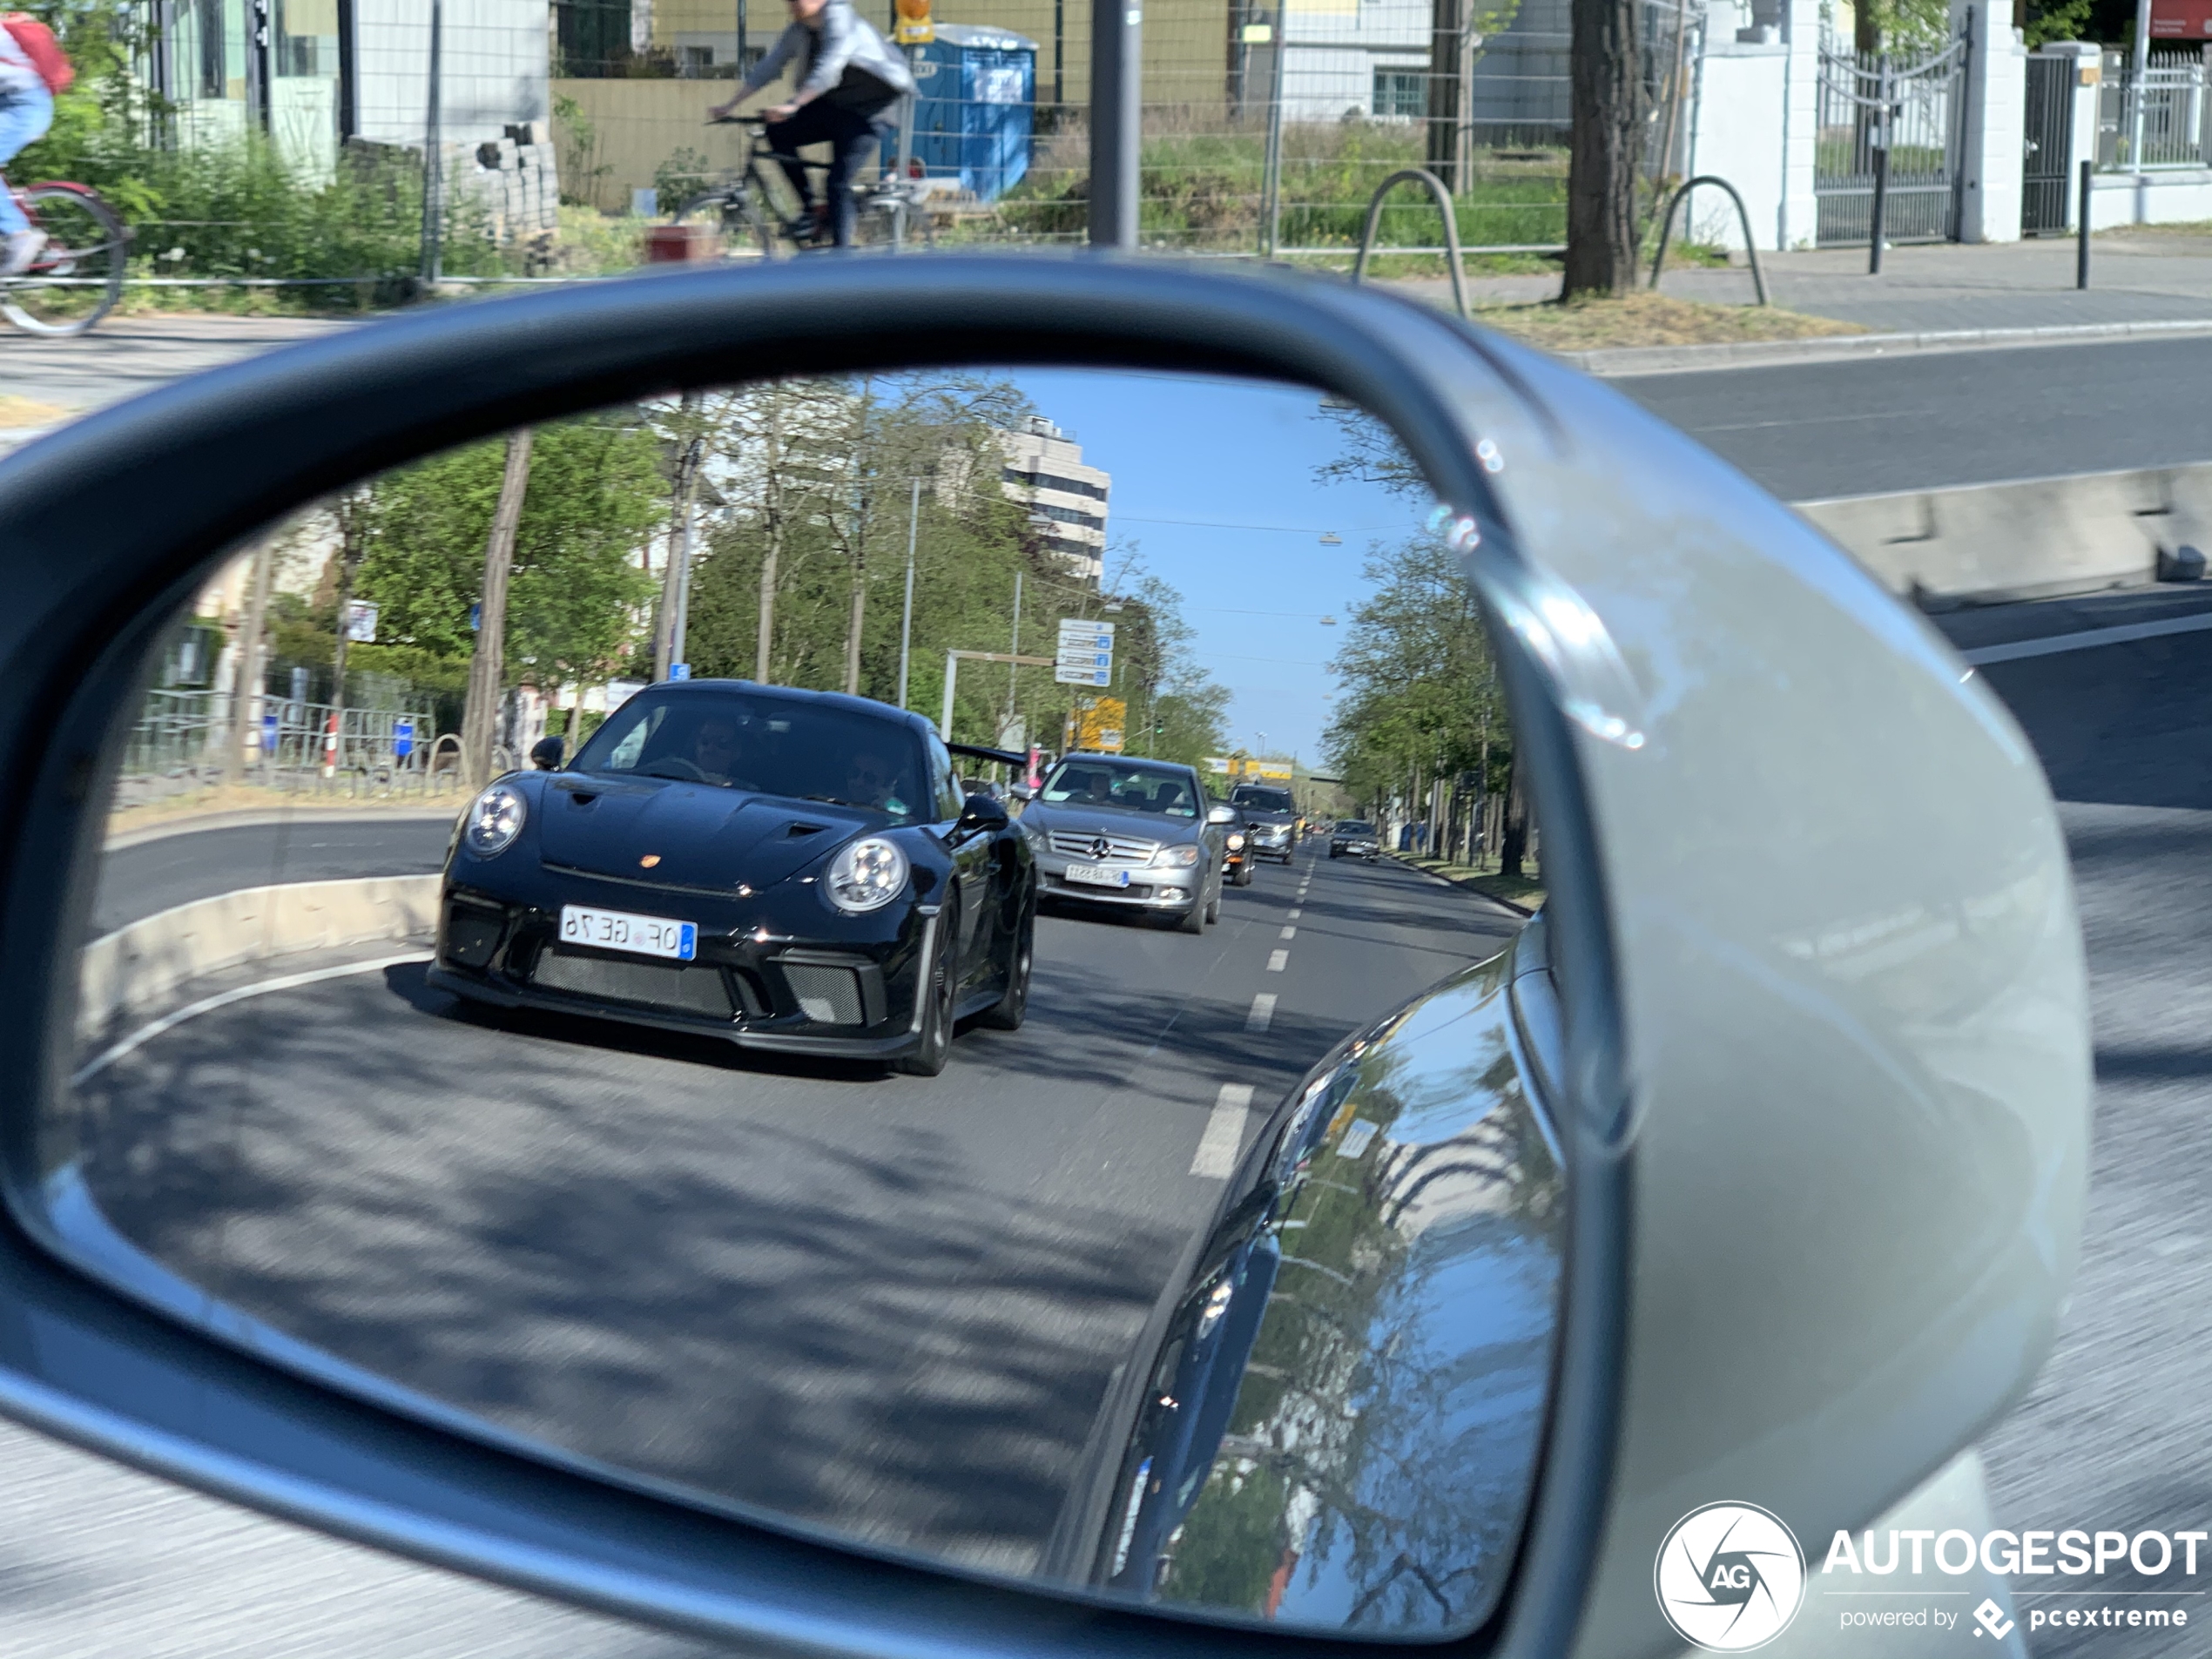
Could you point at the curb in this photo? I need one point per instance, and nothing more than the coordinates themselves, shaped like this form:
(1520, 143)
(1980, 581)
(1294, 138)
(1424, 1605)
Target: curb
(1463, 883)
(1656, 360)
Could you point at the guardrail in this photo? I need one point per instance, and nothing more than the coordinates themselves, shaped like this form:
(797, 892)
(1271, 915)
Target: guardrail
(2033, 538)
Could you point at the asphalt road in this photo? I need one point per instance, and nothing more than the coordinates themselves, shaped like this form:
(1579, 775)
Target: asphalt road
(1808, 431)
(884, 1305)
(139, 879)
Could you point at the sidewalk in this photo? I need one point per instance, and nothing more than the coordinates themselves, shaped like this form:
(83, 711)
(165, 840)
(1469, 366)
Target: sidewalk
(2138, 275)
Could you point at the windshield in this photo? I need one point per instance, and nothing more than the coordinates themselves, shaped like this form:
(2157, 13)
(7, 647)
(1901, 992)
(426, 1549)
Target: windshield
(1136, 788)
(771, 746)
(1264, 800)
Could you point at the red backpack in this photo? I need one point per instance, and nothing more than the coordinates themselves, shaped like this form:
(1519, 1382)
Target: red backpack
(44, 52)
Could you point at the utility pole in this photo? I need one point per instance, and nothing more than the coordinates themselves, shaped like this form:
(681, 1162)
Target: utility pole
(1116, 120)
(907, 617)
(2138, 74)
(245, 715)
(487, 668)
(351, 511)
(434, 171)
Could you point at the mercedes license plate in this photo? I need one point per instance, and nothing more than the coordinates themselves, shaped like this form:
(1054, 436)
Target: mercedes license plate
(1097, 875)
(619, 930)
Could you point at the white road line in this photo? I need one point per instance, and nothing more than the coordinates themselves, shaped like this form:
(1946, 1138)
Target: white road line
(1277, 961)
(2089, 638)
(1288, 933)
(146, 1034)
(1216, 1157)
(1294, 915)
(1263, 1014)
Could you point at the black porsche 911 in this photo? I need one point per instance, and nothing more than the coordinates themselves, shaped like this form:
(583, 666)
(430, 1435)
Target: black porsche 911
(793, 870)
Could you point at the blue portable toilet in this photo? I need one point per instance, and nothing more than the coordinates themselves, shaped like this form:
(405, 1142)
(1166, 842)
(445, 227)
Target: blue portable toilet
(976, 108)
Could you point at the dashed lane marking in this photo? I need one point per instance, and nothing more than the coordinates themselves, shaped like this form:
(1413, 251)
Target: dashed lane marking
(1216, 1157)
(1263, 1014)
(1288, 933)
(1277, 961)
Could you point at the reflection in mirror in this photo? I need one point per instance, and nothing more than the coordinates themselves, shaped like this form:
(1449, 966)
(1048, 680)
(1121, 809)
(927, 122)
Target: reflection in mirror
(935, 959)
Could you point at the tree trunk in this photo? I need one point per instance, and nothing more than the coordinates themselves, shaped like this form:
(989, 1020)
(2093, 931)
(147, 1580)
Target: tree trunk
(352, 545)
(246, 698)
(487, 669)
(853, 631)
(1608, 132)
(1514, 846)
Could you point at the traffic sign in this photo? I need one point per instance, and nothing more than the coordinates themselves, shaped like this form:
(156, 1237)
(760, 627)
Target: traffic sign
(1086, 653)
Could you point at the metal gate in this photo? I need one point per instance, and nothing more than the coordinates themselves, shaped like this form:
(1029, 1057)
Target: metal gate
(2045, 183)
(1915, 106)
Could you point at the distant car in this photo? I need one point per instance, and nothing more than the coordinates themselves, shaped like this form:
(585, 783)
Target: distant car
(1270, 819)
(1354, 836)
(794, 871)
(1111, 830)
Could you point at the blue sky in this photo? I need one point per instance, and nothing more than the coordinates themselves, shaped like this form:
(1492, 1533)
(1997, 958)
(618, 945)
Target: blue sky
(1213, 484)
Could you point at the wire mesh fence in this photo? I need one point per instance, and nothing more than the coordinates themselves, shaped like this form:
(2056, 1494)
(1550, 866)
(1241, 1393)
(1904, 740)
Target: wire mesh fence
(185, 737)
(296, 156)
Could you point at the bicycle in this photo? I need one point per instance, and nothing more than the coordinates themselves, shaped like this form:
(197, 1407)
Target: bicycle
(746, 203)
(78, 277)
(887, 208)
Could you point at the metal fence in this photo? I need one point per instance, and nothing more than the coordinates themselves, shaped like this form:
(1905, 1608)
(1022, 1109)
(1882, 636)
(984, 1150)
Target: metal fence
(183, 736)
(1910, 104)
(2158, 121)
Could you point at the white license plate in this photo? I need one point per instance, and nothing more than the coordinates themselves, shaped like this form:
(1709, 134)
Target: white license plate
(1098, 875)
(619, 930)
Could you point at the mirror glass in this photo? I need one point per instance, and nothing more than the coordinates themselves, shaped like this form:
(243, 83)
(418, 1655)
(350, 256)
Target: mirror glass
(941, 959)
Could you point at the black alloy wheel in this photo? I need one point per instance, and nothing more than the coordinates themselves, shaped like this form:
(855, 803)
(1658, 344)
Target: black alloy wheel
(1012, 1007)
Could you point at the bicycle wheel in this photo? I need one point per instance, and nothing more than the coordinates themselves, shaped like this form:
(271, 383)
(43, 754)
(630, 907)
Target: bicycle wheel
(739, 219)
(78, 277)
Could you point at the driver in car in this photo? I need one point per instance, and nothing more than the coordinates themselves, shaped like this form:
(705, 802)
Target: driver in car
(869, 782)
(714, 750)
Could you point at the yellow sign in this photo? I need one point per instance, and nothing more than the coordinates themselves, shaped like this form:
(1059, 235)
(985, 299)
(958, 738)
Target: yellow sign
(1246, 769)
(1099, 726)
(916, 27)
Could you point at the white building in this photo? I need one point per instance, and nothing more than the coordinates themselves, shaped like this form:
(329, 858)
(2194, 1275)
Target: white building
(1066, 500)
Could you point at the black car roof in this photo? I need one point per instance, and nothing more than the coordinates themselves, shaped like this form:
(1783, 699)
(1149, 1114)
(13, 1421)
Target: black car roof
(1130, 761)
(920, 723)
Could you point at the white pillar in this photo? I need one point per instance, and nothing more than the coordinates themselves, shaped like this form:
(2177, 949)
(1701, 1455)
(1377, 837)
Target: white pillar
(1797, 222)
(2087, 59)
(1996, 123)
(1741, 110)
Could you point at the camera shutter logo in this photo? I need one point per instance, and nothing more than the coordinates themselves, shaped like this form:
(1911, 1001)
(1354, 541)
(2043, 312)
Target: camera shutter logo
(1730, 1577)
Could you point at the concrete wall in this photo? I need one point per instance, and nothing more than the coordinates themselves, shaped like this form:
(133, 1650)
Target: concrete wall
(143, 968)
(2032, 539)
(1743, 99)
(2181, 197)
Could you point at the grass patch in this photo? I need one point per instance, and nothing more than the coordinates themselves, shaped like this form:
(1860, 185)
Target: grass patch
(1646, 319)
(1517, 890)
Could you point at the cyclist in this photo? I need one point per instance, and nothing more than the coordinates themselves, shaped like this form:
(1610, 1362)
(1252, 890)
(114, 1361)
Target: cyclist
(848, 78)
(26, 111)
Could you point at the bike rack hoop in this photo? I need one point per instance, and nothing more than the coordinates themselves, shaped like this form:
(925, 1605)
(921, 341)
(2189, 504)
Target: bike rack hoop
(1667, 226)
(1420, 176)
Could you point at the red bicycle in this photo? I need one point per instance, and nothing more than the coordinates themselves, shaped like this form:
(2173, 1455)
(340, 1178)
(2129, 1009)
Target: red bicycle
(78, 277)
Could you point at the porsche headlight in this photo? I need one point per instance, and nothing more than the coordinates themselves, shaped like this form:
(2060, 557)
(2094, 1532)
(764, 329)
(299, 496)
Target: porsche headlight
(1176, 857)
(866, 875)
(495, 820)
(1235, 842)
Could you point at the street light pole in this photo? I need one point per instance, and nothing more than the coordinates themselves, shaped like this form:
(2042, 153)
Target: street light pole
(1116, 89)
(907, 617)
(1013, 668)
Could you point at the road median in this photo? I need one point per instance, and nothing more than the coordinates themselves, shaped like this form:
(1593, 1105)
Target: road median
(1517, 893)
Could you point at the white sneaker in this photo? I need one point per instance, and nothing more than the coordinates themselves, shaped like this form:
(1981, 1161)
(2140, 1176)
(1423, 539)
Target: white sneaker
(22, 248)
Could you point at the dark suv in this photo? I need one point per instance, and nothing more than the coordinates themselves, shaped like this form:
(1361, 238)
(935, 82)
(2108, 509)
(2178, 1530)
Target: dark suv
(1270, 819)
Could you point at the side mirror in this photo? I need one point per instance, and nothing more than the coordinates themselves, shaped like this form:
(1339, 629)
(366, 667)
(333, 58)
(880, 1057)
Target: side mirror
(980, 816)
(546, 753)
(1221, 814)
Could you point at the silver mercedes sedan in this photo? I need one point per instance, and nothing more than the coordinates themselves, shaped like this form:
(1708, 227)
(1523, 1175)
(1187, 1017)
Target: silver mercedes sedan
(1137, 834)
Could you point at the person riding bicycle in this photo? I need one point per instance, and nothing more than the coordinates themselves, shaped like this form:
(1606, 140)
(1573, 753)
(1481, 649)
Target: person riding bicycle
(849, 76)
(26, 111)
